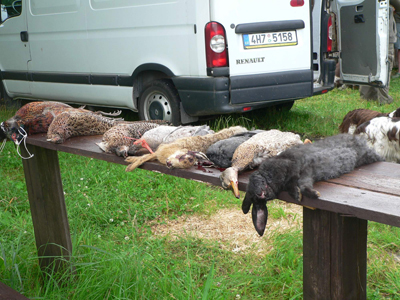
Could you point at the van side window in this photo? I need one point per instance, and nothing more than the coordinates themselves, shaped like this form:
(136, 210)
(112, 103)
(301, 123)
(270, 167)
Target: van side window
(9, 9)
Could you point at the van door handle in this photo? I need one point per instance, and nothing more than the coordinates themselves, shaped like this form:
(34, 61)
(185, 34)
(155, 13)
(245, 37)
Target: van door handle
(24, 36)
(359, 19)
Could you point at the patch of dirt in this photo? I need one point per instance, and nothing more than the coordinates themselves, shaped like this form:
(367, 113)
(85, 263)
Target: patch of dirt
(233, 230)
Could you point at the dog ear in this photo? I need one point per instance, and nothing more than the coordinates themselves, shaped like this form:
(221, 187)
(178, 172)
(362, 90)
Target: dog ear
(259, 214)
(246, 204)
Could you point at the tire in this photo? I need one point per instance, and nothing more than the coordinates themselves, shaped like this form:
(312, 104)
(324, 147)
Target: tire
(160, 101)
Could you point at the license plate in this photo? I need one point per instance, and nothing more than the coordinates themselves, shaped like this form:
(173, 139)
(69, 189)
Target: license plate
(270, 39)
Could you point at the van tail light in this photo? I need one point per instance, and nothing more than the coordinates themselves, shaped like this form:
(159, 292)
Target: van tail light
(329, 41)
(295, 3)
(216, 50)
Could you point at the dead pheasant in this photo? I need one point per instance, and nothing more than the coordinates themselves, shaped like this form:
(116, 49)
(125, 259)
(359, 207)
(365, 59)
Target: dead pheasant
(252, 152)
(78, 123)
(183, 153)
(36, 117)
(118, 139)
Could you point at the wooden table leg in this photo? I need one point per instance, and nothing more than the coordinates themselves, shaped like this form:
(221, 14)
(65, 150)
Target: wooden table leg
(47, 204)
(335, 256)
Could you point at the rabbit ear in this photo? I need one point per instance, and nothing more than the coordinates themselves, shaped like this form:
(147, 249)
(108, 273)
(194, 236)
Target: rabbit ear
(246, 204)
(260, 217)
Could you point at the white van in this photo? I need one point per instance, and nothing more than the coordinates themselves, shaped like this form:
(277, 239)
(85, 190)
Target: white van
(182, 59)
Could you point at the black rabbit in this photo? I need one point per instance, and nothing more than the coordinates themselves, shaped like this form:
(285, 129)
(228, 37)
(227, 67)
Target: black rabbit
(296, 169)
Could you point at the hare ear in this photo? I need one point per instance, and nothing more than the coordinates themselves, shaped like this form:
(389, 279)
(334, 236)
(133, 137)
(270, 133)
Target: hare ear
(259, 214)
(246, 204)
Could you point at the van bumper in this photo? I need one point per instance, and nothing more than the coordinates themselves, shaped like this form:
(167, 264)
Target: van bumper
(204, 96)
(222, 95)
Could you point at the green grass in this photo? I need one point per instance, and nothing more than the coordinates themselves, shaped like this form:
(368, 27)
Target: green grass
(116, 255)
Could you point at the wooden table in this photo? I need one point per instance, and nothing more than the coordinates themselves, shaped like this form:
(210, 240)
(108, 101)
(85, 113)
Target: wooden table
(7, 293)
(334, 234)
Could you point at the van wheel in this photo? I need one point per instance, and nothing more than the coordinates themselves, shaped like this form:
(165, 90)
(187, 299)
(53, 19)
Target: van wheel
(160, 101)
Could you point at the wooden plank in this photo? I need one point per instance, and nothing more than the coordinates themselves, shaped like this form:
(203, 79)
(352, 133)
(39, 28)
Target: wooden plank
(382, 168)
(334, 256)
(86, 146)
(47, 204)
(370, 192)
(359, 203)
(83, 145)
(373, 179)
(7, 293)
(379, 177)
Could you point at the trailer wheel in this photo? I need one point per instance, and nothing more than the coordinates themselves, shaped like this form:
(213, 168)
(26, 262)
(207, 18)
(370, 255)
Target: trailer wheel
(160, 101)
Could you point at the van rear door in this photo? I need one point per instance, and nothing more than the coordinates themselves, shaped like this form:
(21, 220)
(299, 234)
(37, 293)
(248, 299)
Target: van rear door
(269, 48)
(363, 41)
